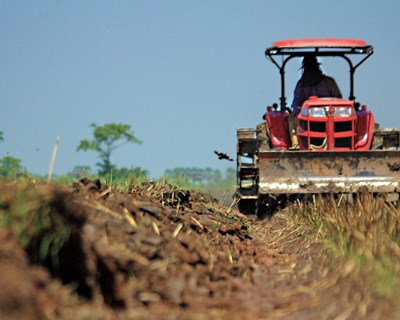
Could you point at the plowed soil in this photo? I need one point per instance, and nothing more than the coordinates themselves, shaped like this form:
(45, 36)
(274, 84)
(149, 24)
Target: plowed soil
(157, 252)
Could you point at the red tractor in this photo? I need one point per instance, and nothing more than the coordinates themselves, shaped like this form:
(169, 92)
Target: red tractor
(340, 149)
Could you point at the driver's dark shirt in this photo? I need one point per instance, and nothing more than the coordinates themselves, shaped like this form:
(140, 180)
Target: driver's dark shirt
(325, 88)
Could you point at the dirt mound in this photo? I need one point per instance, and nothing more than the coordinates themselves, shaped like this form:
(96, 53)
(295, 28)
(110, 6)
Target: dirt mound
(155, 252)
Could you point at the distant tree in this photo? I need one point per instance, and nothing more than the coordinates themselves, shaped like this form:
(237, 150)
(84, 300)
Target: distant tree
(105, 142)
(127, 174)
(1, 136)
(11, 167)
(230, 174)
(194, 175)
(212, 175)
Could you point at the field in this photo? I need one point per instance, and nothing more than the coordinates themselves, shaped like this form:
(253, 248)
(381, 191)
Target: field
(154, 251)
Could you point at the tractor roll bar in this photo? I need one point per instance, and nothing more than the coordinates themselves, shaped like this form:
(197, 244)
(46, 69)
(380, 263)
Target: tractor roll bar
(332, 47)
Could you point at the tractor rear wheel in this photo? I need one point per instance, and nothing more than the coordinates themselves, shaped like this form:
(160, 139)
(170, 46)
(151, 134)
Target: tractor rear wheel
(247, 206)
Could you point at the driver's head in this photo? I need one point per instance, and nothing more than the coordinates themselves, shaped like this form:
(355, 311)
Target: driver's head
(310, 62)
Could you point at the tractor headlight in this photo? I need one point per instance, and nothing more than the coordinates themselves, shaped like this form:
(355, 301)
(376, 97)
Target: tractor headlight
(323, 111)
(343, 112)
(318, 112)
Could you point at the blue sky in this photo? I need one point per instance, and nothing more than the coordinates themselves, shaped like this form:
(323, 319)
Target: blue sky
(184, 74)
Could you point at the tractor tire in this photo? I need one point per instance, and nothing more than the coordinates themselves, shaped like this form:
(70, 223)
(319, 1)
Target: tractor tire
(247, 206)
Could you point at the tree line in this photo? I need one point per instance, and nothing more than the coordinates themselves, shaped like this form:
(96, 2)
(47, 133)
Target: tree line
(196, 175)
(105, 140)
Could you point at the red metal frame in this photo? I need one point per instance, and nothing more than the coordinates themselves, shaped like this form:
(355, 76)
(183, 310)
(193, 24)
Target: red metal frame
(329, 135)
(357, 129)
(278, 129)
(364, 129)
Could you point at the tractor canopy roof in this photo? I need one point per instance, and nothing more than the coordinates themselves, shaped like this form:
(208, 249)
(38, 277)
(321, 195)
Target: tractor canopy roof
(319, 46)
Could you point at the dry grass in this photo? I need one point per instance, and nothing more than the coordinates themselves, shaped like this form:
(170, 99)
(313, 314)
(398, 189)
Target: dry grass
(369, 228)
(362, 241)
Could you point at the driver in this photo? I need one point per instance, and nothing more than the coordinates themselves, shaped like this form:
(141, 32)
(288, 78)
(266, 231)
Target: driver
(313, 83)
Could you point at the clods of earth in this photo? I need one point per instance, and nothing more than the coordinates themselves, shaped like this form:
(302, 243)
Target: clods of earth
(155, 252)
